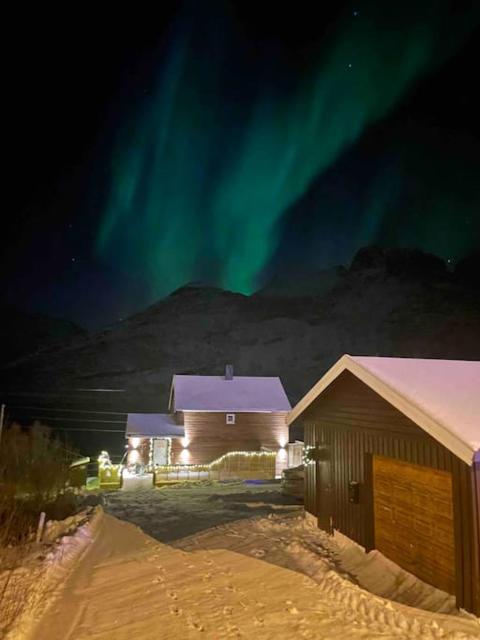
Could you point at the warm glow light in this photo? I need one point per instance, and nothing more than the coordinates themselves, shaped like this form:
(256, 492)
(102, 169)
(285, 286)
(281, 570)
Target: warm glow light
(185, 442)
(133, 456)
(282, 454)
(135, 442)
(185, 456)
(282, 442)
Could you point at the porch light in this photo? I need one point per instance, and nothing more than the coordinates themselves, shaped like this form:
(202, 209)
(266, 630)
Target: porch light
(185, 456)
(133, 456)
(135, 442)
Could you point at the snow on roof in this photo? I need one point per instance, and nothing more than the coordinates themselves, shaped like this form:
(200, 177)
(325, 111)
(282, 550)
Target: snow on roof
(441, 396)
(242, 393)
(153, 424)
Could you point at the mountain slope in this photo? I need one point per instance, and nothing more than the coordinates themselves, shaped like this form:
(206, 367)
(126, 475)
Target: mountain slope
(396, 303)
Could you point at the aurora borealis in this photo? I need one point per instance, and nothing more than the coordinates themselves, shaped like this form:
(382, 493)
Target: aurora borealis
(208, 167)
(229, 143)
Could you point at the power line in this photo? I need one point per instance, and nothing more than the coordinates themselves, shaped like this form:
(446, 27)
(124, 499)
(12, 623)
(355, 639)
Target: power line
(66, 393)
(65, 419)
(118, 413)
(78, 410)
(80, 429)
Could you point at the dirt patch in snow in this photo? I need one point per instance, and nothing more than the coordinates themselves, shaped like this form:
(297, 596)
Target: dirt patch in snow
(176, 511)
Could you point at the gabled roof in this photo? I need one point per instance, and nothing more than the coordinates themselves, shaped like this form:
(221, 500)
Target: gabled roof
(440, 396)
(215, 393)
(152, 425)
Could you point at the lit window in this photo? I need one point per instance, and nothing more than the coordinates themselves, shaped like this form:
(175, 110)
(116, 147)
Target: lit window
(230, 418)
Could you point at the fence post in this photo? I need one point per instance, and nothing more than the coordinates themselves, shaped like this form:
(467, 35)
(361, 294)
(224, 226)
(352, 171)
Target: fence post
(41, 523)
(2, 414)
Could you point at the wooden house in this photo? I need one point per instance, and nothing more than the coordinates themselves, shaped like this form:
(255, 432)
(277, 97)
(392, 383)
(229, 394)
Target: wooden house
(210, 416)
(392, 460)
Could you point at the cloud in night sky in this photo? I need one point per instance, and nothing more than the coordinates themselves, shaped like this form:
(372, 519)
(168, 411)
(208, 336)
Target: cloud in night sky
(206, 172)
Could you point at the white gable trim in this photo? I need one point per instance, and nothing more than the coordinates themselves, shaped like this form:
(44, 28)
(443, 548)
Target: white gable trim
(432, 426)
(170, 395)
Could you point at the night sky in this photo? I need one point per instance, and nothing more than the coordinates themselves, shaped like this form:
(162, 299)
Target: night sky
(228, 142)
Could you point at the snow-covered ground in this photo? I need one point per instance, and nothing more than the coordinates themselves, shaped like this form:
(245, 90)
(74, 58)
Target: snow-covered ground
(35, 571)
(180, 510)
(272, 576)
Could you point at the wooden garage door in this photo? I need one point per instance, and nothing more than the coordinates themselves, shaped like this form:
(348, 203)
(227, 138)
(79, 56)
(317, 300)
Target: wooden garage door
(414, 519)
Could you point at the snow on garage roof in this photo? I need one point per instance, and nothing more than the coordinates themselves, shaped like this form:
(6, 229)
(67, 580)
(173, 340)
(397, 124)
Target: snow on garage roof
(441, 396)
(215, 393)
(152, 425)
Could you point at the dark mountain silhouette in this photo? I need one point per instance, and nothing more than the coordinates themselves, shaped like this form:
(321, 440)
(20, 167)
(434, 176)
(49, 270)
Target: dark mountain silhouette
(389, 302)
(24, 333)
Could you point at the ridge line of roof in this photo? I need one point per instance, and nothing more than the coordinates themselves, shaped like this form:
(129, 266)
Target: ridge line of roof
(222, 376)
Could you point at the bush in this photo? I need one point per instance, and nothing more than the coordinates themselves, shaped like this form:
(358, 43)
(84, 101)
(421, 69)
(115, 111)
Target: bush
(33, 464)
(34, 469)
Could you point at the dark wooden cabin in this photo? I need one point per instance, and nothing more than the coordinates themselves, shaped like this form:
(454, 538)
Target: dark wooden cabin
(393, 462)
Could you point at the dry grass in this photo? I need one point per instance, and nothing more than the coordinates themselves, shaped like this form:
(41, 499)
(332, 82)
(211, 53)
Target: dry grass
(16, 541)
(33, 472)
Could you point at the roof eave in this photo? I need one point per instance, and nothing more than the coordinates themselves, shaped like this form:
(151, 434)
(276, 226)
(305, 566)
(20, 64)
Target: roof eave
(233, 410)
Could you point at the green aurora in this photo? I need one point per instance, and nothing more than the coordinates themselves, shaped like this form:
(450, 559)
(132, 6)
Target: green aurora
(205, 171)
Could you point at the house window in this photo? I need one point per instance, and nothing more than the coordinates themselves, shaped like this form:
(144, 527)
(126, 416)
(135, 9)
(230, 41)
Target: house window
(230, 419)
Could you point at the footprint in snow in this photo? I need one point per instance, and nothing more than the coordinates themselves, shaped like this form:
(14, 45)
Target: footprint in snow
(290, 608)
(176, 611)
(195, 625)
(172, 595)
(234, 631)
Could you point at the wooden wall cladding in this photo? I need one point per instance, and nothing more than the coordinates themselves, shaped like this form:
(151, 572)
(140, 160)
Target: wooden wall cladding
(208, 436)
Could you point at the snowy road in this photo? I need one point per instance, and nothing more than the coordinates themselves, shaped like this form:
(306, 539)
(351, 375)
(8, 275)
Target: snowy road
(263, 578)
(130, 586)
(181, 510)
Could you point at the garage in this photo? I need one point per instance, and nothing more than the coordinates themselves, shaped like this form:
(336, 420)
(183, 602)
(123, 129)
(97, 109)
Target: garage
(393, 463)
(413, 511)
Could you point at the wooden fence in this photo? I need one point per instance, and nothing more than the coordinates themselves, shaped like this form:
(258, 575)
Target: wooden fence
(241, 465)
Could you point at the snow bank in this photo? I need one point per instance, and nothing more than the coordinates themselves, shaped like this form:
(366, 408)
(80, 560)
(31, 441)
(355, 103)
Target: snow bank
(383, 577)
(42, 582)
(55, 529)
(400, 603)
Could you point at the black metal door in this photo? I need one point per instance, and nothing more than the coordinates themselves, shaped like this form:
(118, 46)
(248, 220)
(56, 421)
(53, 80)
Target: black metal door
(324, 488)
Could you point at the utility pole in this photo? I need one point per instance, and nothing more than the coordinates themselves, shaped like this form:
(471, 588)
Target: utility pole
(2, 414)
